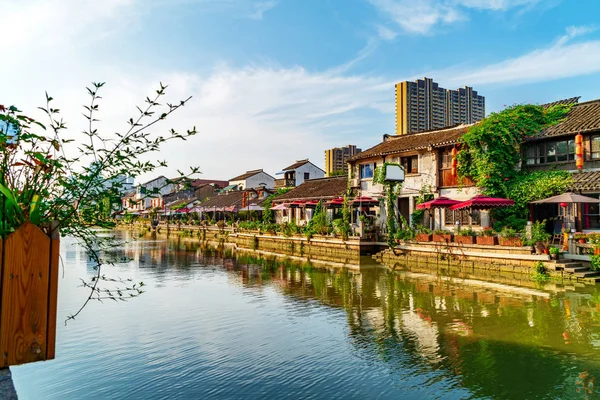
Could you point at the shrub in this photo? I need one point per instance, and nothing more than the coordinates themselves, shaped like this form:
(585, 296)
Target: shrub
(509, 233)
(487, 232)
(554, 250)
(466, 232)
(595, 262)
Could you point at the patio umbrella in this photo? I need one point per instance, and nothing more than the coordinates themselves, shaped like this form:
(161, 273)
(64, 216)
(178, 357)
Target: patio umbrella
(439, 203)
(481, 202)
(254, 207)
(567, 198)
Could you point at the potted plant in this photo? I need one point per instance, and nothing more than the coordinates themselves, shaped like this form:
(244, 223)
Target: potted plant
(554, 252)
(465, 236)
(581, 238)
(423, 234)
(539, 237)
(487, 237)
(49, 186)
(510, 237)
(443, 236)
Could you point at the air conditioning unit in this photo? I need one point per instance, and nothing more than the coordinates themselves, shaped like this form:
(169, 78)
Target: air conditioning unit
(355, 182)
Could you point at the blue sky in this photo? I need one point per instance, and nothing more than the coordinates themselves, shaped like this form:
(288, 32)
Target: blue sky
(278, 80)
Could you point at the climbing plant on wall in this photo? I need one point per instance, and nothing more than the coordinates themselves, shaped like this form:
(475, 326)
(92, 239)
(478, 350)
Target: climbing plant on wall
(491, 155)
(391, 189)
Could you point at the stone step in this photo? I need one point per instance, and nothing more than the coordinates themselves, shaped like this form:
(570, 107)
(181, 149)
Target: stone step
(579, 268)
(587, 274)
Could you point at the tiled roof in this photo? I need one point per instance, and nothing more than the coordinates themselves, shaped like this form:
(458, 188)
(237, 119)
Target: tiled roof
(226, 200)
(298, 163)
(583, 117)
(316, 189)
(201, 182)
(570, 100)
(586, 181)
(414, 141)
(247, 175)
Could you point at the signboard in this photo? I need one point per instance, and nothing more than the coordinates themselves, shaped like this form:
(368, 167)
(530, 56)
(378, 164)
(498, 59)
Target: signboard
(394, 173)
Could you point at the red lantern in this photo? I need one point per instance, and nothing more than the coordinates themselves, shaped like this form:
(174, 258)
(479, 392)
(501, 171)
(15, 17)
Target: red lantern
(579, 151)
(454, 162)
(564, 204)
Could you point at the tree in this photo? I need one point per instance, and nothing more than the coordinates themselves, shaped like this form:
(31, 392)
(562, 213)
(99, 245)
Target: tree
(49, 179)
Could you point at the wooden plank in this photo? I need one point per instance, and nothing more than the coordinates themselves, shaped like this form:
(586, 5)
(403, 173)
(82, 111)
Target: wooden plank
(53, 291)
(24, 313)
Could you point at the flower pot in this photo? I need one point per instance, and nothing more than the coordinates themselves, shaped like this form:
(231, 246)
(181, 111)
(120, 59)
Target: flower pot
(29, 295)
(554, 256)
(487, 240)
(423, 237)
(596, 251)
(443, 238)
(510, 242)
(581, 241)
(464, 239)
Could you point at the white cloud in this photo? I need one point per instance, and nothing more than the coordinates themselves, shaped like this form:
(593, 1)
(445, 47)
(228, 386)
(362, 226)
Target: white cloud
(249, 117)
(574, 31)
(258, 9)
(386, 33)
(560, 60)
(423, 16)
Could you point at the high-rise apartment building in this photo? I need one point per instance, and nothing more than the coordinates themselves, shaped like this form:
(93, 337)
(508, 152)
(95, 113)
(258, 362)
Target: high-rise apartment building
(423, 105)
(336, 159)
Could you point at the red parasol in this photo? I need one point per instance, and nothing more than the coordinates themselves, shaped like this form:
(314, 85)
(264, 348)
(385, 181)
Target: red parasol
(440, 202)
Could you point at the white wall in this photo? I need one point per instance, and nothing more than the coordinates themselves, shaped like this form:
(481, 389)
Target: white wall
(313, 171)
(258, 180)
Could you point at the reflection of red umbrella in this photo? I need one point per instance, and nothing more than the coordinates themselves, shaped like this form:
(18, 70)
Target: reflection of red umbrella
(440, 202)
(481, 202)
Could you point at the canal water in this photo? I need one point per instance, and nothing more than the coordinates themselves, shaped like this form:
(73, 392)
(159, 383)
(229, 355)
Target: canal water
(226, 326)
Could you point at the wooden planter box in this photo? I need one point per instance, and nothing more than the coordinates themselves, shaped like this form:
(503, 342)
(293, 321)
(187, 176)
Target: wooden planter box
(444, 238)
(423, 237)
(487, 240)
(464, 239)
(29, 286)
(514, 242)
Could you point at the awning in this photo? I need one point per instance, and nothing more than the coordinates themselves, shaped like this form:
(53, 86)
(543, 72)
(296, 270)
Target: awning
(481, 202)
(365, 201)
(230, 187)
(311, 203)
(183, 210)
(297, 203)
(338, 202)
(279, 207)
(440, 202)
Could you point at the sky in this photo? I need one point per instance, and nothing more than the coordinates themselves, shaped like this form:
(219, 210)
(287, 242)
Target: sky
(275, 81)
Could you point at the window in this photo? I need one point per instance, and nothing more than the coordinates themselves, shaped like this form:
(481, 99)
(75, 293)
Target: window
(595, 147)
(463, 216)
(410, 164)
(551, 152)
(306, 175)
(366, 170)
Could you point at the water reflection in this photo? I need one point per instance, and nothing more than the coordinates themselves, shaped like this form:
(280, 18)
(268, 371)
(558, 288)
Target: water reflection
(272, 327)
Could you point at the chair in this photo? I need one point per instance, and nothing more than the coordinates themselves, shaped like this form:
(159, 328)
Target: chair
(557, 234)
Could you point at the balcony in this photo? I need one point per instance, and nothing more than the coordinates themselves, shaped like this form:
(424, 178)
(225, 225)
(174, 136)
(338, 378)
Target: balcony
(282, 183)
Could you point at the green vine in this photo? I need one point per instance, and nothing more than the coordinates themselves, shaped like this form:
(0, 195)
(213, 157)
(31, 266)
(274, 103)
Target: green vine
(391, 189)
(491, 155)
